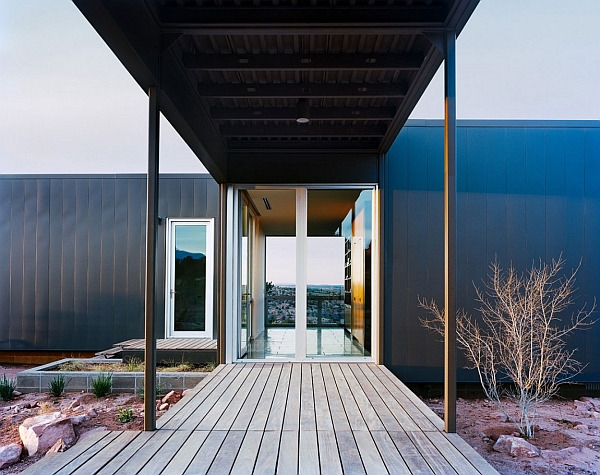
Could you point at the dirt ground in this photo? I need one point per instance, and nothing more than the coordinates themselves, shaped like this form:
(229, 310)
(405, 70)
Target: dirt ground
(565, 449)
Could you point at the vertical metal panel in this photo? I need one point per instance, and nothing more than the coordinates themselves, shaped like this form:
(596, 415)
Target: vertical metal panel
(516, 188)
(94, 311)
(5, 253)
(136, 223)
(42, 274)
(592, 244)
(67, 273)
(29, 245)
(187, 194)
(121, 292)
(535, 201)
(555, 206)
(107, 262)
(16, 261)
(201, 198)
(82, 251)
(55, 328)
(495, 196)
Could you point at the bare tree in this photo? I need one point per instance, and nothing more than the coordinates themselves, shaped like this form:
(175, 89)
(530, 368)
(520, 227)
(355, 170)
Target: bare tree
(519, 349)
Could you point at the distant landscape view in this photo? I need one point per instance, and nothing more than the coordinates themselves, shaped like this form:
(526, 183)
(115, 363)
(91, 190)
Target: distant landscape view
(325, 305)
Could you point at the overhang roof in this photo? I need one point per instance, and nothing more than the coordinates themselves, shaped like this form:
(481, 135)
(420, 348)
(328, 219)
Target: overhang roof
(232, 71)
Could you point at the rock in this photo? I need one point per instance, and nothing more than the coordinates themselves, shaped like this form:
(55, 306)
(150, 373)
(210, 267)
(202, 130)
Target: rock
(581, 428)
(171, 397)
(583, 406)
(92, 413)
(41, 432)
(17, 393)
(498, 416)
(516, 447)
(76, 420)
(595, 415)
(164, 406)
(59, 446)
(10, 454)
(594, 401)
(185, 392)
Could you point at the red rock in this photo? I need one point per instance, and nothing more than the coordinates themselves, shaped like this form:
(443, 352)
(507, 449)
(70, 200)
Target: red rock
(164, 406)
(59, 446)
(10, 454)
(41, 432)
(516, 447)
(171, 397)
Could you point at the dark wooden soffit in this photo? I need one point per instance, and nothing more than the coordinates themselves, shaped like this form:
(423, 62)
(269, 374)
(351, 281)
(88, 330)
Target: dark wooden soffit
(232, 71)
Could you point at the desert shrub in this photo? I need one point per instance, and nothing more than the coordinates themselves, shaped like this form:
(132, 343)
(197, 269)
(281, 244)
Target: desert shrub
(134, 364)
(102, 385)
(72, 366)
(57, 385)
(7, 388)
(520, 337)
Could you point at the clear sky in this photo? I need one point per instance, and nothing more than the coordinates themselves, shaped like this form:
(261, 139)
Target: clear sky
(68, 105)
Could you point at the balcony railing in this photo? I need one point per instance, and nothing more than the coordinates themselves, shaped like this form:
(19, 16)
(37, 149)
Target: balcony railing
(322, 310)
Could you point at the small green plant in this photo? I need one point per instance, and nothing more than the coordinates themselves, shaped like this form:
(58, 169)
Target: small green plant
(7, 388)
(134, 364)
(102, 385)
(179, 367)
(57, 385)
(160, 389)
(125, 414)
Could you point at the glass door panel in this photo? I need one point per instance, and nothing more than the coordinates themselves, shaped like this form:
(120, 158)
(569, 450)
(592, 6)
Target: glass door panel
(338, 279)
(190, 278)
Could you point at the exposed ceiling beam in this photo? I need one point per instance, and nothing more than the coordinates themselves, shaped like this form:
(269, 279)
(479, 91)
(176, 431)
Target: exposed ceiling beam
(257, 16)
(268, 90)
(296, 145)
(302, 130)
(302, 62)
(316, 113)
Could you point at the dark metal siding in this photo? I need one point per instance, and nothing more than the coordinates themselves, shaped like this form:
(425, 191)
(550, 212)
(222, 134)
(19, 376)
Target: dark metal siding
(526, 190)
(72, 253)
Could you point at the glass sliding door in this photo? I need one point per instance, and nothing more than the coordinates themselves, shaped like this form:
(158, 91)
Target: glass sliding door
(189, 296)
(339, 272)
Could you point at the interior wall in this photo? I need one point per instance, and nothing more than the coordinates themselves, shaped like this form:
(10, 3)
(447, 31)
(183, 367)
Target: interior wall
(526, 191)
(259, 279)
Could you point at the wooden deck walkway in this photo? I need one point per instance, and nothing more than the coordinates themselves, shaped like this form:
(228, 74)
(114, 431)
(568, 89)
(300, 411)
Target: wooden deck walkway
(196, 350)
(284, 418)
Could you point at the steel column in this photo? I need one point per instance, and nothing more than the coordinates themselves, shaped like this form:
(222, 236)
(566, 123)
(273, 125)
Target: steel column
(150, 279)
(450, 231)
(221, 272)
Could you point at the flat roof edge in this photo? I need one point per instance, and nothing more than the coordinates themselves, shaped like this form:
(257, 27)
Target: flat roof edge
(546, 123)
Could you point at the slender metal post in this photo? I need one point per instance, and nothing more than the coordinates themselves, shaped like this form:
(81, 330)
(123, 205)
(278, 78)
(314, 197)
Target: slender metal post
(221, 269)
(450, 231)
(150, 280)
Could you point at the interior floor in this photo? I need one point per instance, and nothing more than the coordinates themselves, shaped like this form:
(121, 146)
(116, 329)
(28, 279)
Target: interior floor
(281, 343)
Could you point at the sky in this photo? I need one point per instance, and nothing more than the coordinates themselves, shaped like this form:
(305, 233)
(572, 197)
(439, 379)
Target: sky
(69, 106)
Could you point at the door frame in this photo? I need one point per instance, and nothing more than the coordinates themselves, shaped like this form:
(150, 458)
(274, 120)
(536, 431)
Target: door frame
(233, 277)
(171, 225)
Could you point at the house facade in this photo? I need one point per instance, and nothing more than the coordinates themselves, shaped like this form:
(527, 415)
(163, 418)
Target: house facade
(74, 247)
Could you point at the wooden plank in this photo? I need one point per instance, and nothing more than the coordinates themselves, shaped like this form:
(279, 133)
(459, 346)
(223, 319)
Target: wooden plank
(93, 450)
(322, 413)
(51, 465)
(137, 461)
(228, 417)
(287, 460)
(364, 403)
(165, 453)
(454, 457)
(384, 413)
(101, 458)
(243, 418)
(372, 461)
(246, 457)
(266, 461)
(411, 455)
(431, 454)
(412, 397)
(391, 457)
(275, 420)
(207, 453)
(307, 401)
(349, 455)
(261, 414)
(308, 453)
(336, 408)
(227, 453)
(291, 420)
(195, 417)
(181, 412)
(329, 456)
(228, 397)
(355, 417)
(183, 458)
(474, 457)
(126, 453)
(397, 410)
